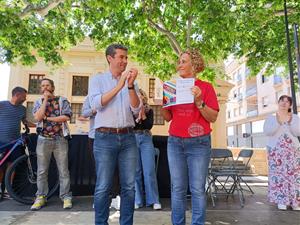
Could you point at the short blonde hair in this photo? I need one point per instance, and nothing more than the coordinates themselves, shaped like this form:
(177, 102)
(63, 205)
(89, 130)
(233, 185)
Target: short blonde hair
(196, 59)
(143, 95)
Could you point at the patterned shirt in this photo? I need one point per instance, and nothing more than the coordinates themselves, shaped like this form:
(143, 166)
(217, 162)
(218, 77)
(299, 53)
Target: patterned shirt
(49, 128)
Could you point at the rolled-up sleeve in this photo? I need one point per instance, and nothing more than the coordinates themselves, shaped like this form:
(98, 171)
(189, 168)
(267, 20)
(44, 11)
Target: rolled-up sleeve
(95, 93)
(66, 108)
(136, 110)
(86, 110)
(36, 106)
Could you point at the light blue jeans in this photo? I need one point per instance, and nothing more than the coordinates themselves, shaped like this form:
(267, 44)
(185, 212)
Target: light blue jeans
(145, 168)
(188, 163)
(44, 149)
(110, 149)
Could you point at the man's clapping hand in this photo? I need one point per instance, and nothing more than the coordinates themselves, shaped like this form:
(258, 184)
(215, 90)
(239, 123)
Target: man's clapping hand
(132, 76)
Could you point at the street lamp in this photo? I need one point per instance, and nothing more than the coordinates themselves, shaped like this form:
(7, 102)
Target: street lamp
(288, 43)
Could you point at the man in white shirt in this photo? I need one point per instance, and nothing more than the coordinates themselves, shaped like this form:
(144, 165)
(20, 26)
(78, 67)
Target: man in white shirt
(114, 95)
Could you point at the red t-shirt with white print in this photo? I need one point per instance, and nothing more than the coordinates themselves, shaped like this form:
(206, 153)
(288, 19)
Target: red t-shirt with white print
(187, 120)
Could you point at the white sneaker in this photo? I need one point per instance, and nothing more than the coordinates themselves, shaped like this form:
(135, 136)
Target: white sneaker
(115, 203)
(282, 207)
(156, 206)
(118, 202)
(296, 208)
(136, 206)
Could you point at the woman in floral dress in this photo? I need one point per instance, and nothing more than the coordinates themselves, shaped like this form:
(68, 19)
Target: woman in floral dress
(283, 148)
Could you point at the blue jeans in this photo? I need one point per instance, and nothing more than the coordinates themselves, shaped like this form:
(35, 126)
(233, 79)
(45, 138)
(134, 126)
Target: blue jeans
(44, 149)
(145, 167)
(188, 163)
(110, 149)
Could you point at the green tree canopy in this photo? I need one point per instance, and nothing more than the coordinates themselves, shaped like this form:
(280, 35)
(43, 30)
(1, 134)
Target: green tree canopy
(156, 31)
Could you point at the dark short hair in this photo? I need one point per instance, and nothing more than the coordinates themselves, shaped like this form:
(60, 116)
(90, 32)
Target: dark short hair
(111, 50)
(289, 98)
(50, 81)
(17, 90)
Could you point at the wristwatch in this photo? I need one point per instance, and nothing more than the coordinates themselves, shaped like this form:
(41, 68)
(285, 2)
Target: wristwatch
(131, 87)
(202, 105)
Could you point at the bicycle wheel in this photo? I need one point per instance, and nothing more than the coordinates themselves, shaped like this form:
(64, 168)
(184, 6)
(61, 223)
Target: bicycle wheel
(20, 179)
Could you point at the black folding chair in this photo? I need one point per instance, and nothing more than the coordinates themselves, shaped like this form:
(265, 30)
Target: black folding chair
(222, 167)
(245, 155)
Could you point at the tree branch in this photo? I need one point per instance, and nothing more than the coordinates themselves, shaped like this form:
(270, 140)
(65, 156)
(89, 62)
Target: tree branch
(290, 11)
(172, 40)
(41, 10)
(163, 30)
(170, 36)
(189, 27)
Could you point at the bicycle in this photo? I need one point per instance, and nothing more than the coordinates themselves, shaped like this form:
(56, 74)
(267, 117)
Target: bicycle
(21, 175)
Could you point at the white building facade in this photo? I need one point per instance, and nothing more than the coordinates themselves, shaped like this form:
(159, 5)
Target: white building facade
(251, 100)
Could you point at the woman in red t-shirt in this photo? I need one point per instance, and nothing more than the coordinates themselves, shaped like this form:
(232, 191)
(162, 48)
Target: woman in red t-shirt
(189, 144)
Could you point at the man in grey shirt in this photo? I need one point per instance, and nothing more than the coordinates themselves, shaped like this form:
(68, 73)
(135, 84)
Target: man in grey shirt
(88, 112)
(114, 95)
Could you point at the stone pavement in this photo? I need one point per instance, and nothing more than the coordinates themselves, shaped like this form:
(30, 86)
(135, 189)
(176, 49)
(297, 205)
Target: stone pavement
(257, 211)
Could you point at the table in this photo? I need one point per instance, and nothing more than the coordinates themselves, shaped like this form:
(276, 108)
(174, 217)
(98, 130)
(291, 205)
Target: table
(82, 172)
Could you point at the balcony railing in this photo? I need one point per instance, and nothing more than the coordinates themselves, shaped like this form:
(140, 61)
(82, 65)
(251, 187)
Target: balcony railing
(247, 72)
(251, 91)
(252, 113)
(240, 97)
(277, 80)
(239, 78)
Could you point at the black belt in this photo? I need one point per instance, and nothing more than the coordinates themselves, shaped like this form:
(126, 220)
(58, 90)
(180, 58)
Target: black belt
(145, 131)
(125, 130)
(50, 137)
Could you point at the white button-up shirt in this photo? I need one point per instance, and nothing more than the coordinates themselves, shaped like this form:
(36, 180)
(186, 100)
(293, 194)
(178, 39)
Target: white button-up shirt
(118, 113)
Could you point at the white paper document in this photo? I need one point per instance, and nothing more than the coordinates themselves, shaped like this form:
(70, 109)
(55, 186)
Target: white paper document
(183, 90)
